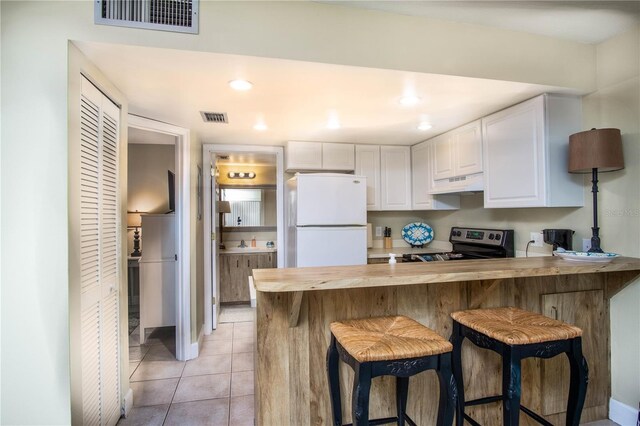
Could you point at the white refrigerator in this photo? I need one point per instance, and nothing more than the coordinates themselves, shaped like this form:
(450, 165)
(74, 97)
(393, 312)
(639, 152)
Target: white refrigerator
(326, 220)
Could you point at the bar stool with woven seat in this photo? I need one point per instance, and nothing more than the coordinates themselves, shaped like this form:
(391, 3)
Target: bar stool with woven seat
(388, 346)
(516, 334)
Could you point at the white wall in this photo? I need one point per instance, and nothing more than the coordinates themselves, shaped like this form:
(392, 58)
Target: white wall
(147, 180)
(34, 137)
(616, 103)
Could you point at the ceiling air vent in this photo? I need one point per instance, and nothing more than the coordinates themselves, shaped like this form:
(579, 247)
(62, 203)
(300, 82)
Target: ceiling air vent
(167, 15)
(214, 117)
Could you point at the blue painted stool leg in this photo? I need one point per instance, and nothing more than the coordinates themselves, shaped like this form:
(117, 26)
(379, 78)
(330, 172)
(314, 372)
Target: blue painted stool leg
(402, 390)
(360, 395)
(456, 359)
(578, 384)
(510, 387)
(333, 374)
(448, 391)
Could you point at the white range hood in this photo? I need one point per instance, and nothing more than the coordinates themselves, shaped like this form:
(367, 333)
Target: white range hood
(456, 185)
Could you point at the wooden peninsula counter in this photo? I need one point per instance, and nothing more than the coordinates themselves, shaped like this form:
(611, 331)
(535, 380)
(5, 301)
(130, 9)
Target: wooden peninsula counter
(295, 307)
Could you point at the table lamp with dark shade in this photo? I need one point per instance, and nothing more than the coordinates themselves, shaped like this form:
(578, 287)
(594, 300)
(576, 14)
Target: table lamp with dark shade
(592, 151)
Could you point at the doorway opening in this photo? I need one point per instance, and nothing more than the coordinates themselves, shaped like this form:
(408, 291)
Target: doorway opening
(158, 182)
(243, 225)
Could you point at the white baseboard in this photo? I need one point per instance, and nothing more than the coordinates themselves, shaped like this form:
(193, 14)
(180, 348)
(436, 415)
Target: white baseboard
(622, 413)
(128, 402)
(195, 347)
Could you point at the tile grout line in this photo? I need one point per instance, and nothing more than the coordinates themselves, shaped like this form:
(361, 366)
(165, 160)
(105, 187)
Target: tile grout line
(174, 394)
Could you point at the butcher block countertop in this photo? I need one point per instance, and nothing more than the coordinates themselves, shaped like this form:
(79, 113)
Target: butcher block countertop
(381, 275)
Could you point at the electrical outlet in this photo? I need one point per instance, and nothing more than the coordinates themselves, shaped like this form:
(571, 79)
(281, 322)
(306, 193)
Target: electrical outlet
(536, 237)
(378, 231)
(586, 244)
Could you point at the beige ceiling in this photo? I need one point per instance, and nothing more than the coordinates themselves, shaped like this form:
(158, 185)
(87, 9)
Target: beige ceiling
(296, 99)
(581, 21)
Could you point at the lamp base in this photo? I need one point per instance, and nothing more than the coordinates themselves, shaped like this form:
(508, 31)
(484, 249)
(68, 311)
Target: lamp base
(595, 241)
(136, 244)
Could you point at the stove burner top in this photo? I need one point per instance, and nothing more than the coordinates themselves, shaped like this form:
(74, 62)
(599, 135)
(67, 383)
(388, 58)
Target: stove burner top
(431, 257)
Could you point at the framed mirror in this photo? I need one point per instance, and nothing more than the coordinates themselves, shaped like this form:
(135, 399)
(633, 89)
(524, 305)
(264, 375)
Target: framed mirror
(252, 209)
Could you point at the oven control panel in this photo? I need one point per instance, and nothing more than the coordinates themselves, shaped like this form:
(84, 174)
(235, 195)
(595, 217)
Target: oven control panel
(492, 237)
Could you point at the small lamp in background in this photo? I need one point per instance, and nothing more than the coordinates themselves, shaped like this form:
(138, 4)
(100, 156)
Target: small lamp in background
(223, 207)
(592, 151)
(134, 221)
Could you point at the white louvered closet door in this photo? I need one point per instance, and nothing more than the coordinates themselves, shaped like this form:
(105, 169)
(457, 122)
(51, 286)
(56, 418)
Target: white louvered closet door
(100, 236)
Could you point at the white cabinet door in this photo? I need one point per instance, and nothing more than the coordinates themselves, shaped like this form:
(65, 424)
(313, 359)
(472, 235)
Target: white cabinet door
(525, 151)
(338, 156)
(420, 197)
(158, 236)
(443, 156)
(303, 155)
(422, 182)
(514, 154)
(368, 164)
(157, 295)
(395, 176)
(468, 149)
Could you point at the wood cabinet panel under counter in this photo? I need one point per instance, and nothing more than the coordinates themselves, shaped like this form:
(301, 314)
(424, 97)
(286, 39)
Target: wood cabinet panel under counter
(296, 306)
(236, 268)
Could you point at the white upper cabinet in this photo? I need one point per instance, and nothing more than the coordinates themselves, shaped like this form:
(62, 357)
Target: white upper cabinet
(525, 150)
(457, 160)
(368, 164)
(395, 178)
(304, 155)
(388, 172)
(468, 149)
(422, 182)
(319, 156)
(338, 156)
(458, 152)
(443, 149)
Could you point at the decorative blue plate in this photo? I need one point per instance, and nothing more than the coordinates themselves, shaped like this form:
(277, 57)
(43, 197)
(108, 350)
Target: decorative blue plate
(417, 233)
(586, 256)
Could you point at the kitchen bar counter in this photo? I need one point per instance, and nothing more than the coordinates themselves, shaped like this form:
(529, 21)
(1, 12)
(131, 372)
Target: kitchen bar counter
(296, 306)
(342, 277)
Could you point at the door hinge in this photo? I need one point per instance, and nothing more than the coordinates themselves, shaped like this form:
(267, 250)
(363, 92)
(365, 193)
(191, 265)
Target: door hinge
(175, 256)
(213, 300)
(213, 236)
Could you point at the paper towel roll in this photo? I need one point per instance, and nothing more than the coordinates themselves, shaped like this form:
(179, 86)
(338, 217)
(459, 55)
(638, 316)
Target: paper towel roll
(369, 236)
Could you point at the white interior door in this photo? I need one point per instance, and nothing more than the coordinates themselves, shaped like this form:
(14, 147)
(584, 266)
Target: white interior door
(99, 253)
(215, 271)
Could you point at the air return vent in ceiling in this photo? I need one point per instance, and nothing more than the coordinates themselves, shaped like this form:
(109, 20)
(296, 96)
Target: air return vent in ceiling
(167, 15)
(214, 117)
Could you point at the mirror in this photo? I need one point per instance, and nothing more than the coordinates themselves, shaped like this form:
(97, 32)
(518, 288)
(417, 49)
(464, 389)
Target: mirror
(250, 208)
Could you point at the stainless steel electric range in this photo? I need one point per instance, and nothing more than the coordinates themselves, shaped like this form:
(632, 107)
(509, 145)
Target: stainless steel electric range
(472, 243)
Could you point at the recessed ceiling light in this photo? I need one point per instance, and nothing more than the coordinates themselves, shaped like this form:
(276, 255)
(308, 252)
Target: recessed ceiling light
(241, 85)
(409, 100)
(424, 126)
(333, 124)
(261, 127)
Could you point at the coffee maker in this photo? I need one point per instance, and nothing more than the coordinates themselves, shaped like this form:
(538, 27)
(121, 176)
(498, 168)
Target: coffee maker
(559, 238)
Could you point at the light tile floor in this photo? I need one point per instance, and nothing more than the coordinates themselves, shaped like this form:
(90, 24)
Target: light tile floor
(214, 389)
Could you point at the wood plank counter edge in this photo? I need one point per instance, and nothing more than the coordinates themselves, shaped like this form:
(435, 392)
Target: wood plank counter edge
(382, 275)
